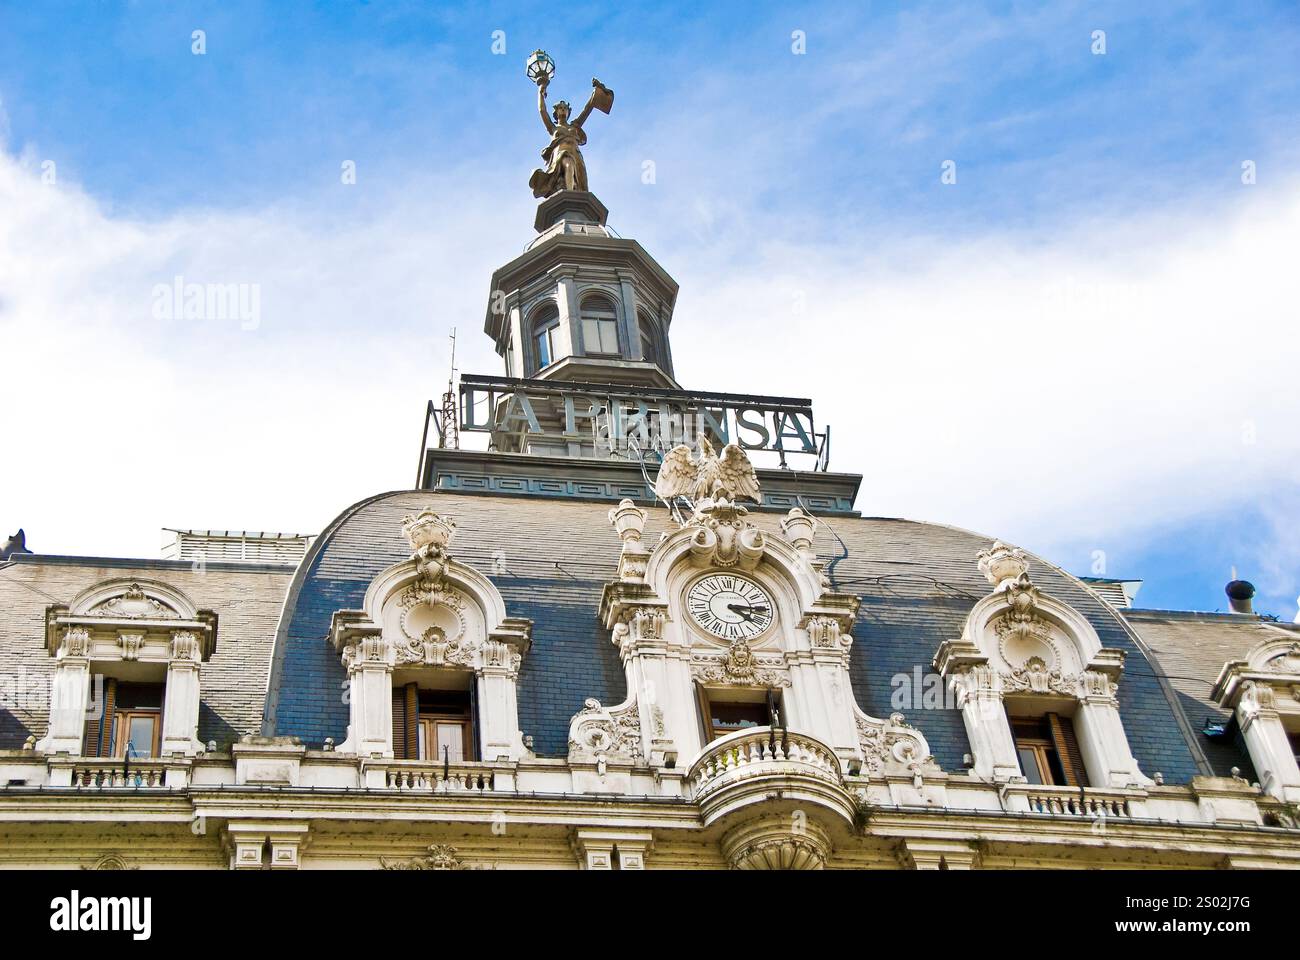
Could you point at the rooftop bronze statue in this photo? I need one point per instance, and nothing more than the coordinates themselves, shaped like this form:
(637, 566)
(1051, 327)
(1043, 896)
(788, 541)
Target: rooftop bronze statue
(565, 169)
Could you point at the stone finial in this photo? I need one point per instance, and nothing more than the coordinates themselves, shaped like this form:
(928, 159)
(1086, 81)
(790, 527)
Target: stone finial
(428, 531)
(798, 526)
(1000, 563)
(628, 520)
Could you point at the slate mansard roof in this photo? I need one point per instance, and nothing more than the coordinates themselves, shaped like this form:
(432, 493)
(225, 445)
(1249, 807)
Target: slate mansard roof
(551, 558)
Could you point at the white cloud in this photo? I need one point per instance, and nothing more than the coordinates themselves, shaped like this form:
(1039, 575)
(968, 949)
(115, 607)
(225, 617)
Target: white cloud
(1053, 389)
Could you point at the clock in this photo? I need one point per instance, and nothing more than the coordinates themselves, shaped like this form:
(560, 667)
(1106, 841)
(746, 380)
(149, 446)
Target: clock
(729, 606)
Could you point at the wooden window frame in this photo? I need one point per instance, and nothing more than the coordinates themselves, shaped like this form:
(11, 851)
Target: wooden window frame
(122, 730)
(1049, 737)
(428, 729)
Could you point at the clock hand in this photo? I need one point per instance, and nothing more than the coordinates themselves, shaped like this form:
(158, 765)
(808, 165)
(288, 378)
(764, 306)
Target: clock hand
(742, 608)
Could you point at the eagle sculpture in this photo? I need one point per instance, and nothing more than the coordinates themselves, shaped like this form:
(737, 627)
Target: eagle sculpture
(711, 477)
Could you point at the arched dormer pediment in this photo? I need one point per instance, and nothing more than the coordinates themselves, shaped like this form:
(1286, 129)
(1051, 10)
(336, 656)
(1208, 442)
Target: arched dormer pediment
(433, 609)
(1024, 649)
(134, 599)
(431, 613)
(131, 619)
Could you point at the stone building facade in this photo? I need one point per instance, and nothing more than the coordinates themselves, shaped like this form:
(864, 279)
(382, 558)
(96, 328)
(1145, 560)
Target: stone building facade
(608, 642)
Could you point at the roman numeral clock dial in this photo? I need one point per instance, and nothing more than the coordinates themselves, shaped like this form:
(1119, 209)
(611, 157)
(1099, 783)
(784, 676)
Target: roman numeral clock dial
(730, 607)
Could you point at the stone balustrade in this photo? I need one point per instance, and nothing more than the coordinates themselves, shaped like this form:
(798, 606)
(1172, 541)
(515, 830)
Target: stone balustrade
(761, 751)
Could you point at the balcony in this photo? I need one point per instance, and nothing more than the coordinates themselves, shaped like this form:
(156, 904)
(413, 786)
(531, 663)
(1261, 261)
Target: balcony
(1085, 803)
(750, 765)
(119, 775)
(429, 776)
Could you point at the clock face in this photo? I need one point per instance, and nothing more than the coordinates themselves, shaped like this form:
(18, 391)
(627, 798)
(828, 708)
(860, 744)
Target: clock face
(729, 606)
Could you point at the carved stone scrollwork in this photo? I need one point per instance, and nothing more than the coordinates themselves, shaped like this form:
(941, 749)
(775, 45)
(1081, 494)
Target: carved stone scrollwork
(740, 666)
(771, 844)
(135, 604)
(1021, 622)
(429, 535)
(76, 642)
(637, 624)
(725, 538)
(441, 856)
(1288, 661)
(1035, 677)
(185, 646)
(109, 861)
(130, 644)
(598, 733)
(893, 746)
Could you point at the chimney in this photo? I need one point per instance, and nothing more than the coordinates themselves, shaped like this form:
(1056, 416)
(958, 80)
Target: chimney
(1239, 594)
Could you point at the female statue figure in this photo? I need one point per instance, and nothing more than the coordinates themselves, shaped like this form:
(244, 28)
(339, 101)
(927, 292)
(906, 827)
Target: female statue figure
(565, 169)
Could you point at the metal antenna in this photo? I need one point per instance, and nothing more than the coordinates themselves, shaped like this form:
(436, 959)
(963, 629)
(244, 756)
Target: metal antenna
(449, 434)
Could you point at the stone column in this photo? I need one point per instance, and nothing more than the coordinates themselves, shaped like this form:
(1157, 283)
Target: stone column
(1267, 742)
(979, 694)
(180, 719)
(370, 679)
(569, 339)
(1102, 742)
(498, 710)
(69, 695)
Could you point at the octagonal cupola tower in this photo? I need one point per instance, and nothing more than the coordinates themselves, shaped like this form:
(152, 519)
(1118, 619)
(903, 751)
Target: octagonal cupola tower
(582, 304)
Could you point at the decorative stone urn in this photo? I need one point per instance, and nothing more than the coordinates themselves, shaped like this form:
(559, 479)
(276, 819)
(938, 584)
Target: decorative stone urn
(1000, 563)
(427, 530)
(798, 526)
(628, 520)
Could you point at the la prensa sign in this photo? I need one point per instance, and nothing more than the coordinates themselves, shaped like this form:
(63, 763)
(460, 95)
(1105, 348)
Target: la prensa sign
(652, 419)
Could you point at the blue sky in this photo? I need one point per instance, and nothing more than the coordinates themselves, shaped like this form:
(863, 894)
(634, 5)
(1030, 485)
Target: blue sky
(776, 173)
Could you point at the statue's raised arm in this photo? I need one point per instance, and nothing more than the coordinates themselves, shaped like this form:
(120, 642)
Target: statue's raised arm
(602, 98)
(541, 108)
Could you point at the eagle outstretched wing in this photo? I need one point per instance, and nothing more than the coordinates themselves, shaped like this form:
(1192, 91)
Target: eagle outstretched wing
(677, 474)
(737, 473)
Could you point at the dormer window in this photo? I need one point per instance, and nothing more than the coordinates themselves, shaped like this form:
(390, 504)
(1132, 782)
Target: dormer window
(546, 326)
(599, 326)
(1048, 751)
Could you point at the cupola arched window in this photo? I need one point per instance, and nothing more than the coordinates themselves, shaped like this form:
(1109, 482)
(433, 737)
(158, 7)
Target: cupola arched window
(649, 339)
(599, 326)
(546, 326)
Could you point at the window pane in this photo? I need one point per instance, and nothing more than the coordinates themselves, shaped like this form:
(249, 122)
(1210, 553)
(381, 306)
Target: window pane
(140, 736)
(544, 348)
(422, 741)
(1029, 764)
(451, 740)
(608, 336)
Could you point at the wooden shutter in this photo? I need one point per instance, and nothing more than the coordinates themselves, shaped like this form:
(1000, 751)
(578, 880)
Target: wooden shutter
(106, 723)
(399, 723)
(1067, 748)
(94, 728)
(412, 721)
(706, 715)
(472, 719)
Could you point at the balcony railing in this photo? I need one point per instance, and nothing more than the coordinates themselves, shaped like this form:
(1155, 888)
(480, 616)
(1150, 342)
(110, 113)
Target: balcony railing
(1086, 802)
(761, 751)
(117, 774)
(420, 776)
